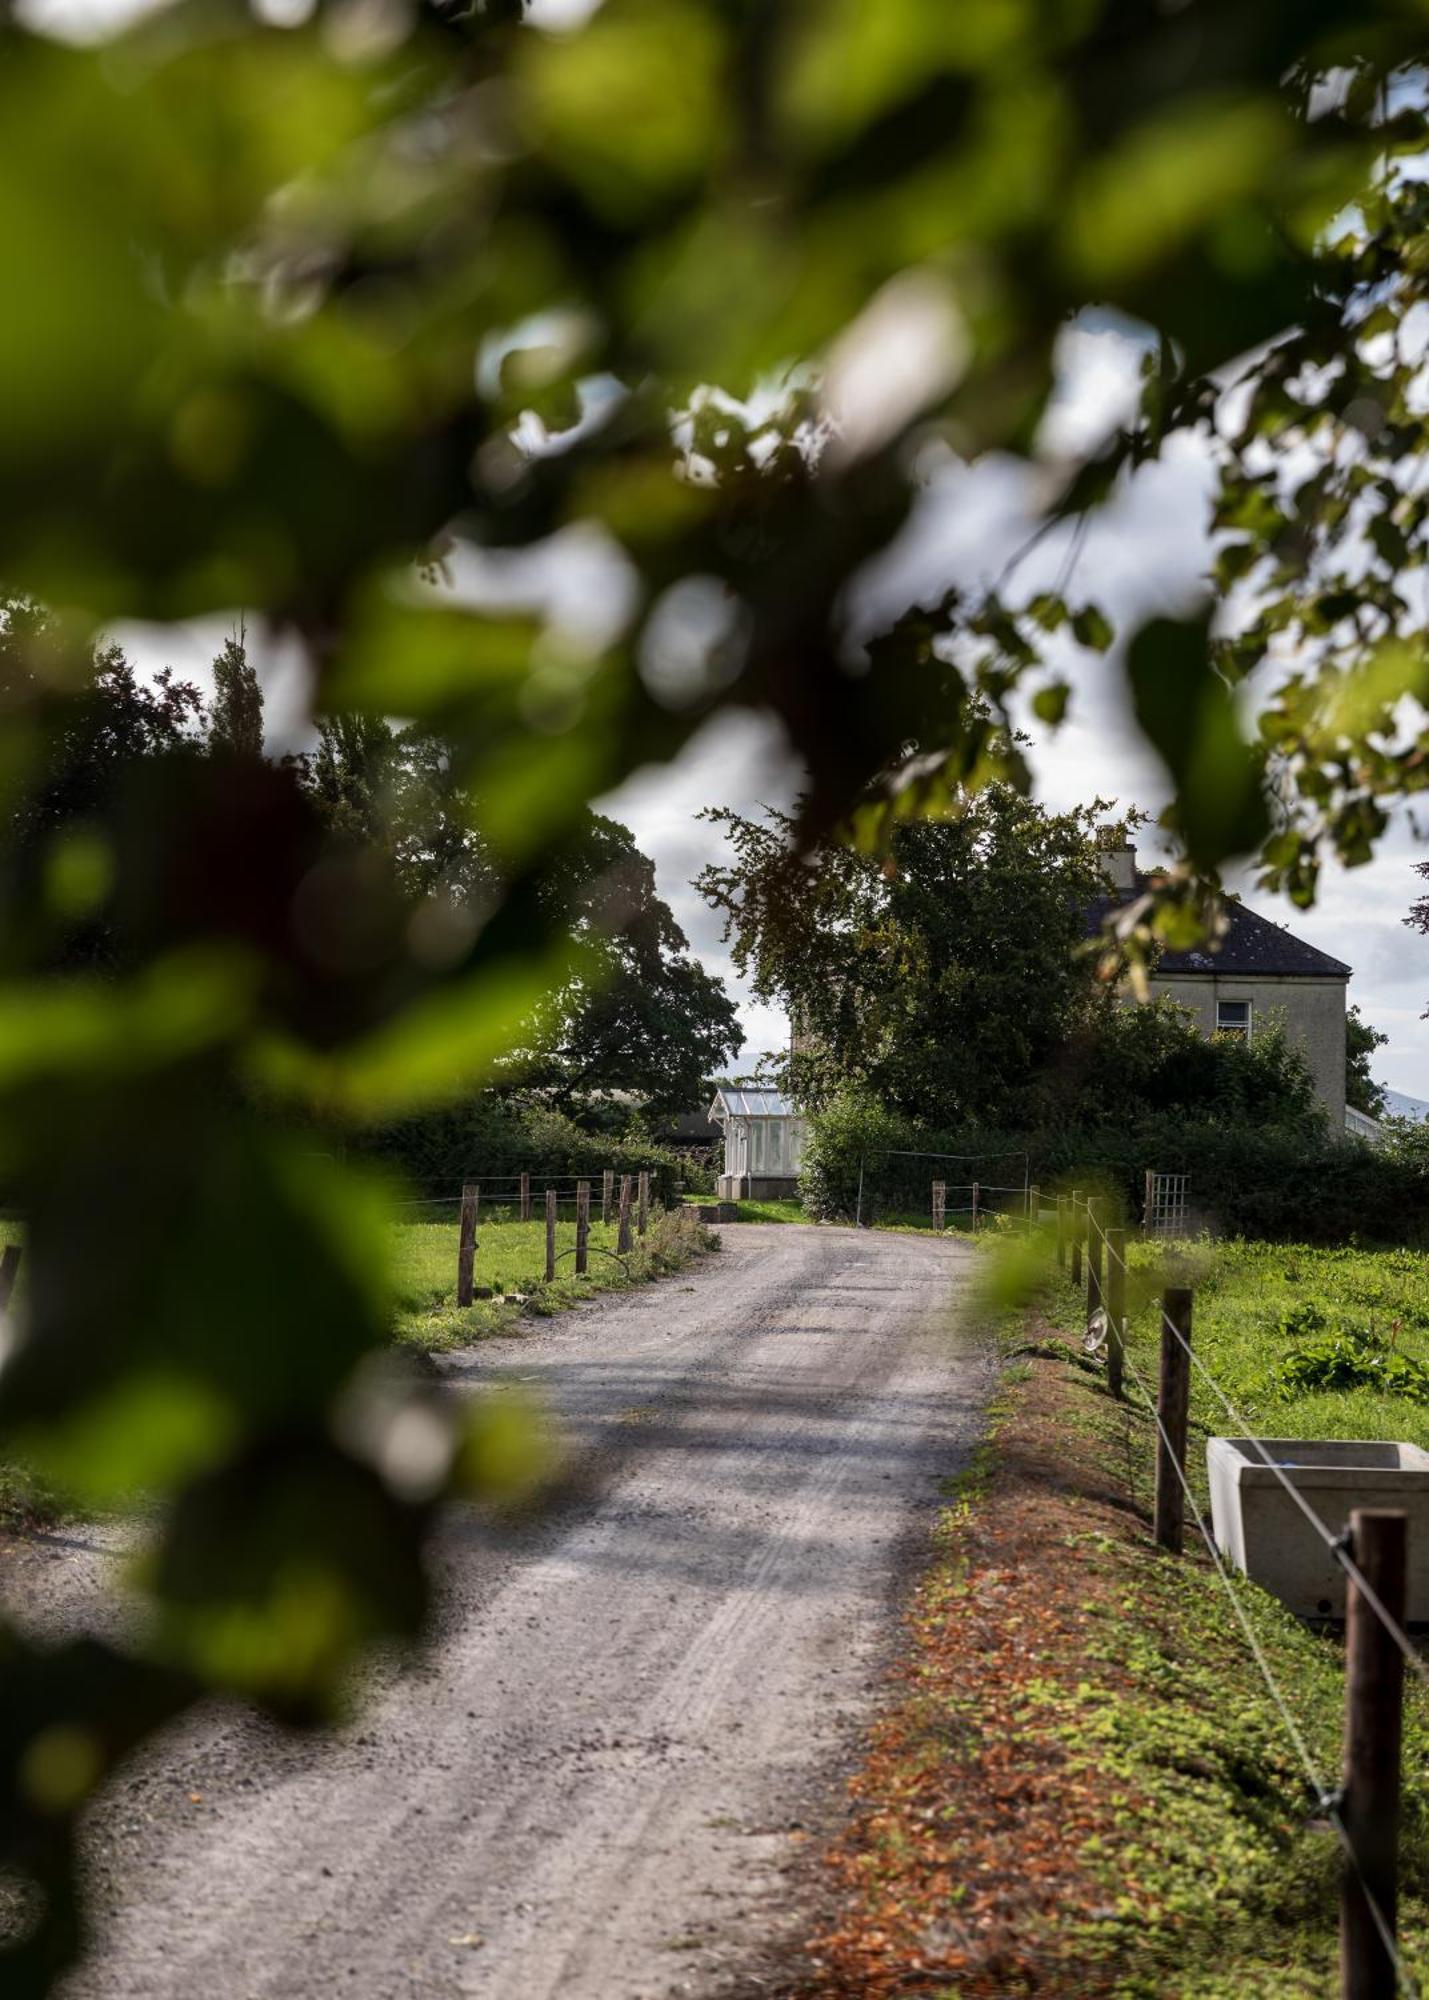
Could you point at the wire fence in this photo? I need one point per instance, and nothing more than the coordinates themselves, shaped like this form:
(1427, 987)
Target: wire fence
(1328, 1801)
(528, 1192)
(897, 1188)
(1334, 1540)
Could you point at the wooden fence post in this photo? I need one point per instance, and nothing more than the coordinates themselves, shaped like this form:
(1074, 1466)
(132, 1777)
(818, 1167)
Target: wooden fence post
(976, 1192)
(550, 1234)
(525, 1197)
(1034, 1207)
(643, 1216)
(1094, 1260)
(9, 1272)
(466, 1244)
(940, 1203)
(1061, 1232)
(582, 1227)
(1374, 1711)
(1076, 1221)
(1148, 1196)
(607, 1187)
(1114, 1297)
(1173, 1404)
(622, 1241)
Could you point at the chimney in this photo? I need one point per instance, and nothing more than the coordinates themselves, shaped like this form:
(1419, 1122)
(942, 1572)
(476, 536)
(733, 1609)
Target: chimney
(1118, 859)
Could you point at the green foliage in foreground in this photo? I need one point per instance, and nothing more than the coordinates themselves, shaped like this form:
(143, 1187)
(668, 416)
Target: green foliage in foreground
(511, 1261)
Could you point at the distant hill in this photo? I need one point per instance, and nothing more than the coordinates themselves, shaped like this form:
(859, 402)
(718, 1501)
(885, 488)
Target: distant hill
(1397, 1105)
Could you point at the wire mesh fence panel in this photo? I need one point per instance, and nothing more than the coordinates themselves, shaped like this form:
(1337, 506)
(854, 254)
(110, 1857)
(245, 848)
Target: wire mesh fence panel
(893, 1185)
(1165, 1206)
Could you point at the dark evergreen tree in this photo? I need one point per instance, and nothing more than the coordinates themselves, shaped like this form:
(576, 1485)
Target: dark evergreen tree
(235, 722)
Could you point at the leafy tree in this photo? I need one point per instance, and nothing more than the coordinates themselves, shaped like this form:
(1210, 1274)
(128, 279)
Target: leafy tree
(1418, 918)
(638, 1015)
(79, 750)
(89, 719)
(394, 791)
(238, 360)
(633, 1017)
(1361, 1041)
(943, 977)
(235, 722)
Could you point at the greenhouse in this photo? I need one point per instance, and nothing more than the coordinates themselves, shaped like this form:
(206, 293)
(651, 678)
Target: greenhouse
(763, 1143)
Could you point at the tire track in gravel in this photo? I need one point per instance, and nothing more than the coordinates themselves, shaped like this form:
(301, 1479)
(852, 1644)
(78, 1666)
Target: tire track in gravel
(598, 1781)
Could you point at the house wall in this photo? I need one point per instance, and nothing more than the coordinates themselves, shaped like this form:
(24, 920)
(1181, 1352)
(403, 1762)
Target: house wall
(1313, 1011)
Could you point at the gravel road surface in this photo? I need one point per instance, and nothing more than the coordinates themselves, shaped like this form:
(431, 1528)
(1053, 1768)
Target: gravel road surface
(639, 1710)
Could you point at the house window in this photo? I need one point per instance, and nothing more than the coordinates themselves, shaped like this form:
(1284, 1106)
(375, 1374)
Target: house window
(1233, 1017)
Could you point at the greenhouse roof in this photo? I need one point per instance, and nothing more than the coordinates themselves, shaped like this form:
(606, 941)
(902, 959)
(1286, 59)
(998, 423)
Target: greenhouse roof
(737, 1100)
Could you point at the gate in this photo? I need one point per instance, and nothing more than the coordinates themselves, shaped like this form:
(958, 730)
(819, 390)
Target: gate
(1164, 1212)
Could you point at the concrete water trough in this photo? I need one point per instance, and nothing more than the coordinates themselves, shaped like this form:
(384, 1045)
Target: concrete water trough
(1259, 1528)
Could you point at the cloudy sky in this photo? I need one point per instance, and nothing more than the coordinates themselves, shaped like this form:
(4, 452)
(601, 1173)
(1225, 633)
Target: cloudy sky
(1143, 555)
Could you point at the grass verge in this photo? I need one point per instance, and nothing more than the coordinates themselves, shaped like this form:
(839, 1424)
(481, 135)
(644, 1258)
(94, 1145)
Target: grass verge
(1080, 1785)
(510, 1262)
(771, 1211)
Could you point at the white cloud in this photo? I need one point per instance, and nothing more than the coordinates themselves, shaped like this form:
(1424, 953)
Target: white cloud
(739, 759)
(190, 649)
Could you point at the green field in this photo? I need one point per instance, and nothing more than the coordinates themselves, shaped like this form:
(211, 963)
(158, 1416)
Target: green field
(511, 1262)
(1304, 1342)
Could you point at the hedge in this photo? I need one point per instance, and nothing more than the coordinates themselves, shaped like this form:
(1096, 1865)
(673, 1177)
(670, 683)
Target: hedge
(493, 1138)
(1295, 1182)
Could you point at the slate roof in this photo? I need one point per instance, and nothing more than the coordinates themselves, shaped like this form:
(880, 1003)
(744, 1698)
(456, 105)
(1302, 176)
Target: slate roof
(1252, 945)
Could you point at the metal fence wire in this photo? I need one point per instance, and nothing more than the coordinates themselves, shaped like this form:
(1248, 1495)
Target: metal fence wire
(1327, 1800)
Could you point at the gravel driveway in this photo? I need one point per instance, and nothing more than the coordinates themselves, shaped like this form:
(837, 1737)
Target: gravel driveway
(640, 1708)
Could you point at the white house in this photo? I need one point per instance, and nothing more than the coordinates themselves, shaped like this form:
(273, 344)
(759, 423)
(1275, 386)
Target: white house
(1255, 971)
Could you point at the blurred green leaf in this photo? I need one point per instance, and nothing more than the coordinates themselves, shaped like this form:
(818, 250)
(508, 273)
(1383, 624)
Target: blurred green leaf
(1049, 704)
(631, 107)
(1188, 714)
(1092, 628)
